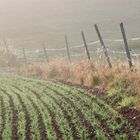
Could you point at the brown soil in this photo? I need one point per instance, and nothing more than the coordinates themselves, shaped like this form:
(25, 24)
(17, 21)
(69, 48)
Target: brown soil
(133, 116)
(2, 115)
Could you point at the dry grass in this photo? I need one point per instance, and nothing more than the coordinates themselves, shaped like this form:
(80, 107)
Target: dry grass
(85, 72)
(60, 69)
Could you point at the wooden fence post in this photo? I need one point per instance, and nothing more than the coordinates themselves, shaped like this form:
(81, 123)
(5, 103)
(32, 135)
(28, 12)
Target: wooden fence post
(126, 45)
(103, 45)
(45, 52)
(85, 45)
(24, 55)
(67, 48)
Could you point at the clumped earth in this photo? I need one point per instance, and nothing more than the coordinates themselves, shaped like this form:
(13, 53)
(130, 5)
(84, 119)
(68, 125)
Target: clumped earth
(133, 117)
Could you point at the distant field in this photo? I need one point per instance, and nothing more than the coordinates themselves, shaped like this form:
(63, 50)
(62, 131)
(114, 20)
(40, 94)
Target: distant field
(39, 110)
(28, 24)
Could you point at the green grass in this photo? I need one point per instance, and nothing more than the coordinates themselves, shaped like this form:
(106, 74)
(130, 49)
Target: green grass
(128, 101)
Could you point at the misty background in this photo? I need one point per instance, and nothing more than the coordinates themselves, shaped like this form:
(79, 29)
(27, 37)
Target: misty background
(26, 23)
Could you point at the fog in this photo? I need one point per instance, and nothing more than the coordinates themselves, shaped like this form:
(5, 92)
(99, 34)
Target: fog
(29, 22)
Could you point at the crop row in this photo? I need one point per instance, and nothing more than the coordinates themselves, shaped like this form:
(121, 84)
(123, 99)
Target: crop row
(35, 109)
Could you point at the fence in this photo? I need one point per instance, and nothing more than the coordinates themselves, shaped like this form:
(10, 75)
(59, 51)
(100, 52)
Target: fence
(102, 48)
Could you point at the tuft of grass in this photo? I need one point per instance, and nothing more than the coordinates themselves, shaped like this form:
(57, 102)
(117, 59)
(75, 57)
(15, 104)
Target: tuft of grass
(128, 101)
(115, 92)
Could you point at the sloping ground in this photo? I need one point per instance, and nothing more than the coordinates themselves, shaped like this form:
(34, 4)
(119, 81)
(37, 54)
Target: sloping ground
(35, 109)
(122, 103)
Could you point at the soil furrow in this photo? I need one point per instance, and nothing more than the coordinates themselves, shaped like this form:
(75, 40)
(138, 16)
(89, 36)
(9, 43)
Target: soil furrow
(3, 113)
(41, 126)
(81, 116)
(53, 117)
(27, 118)
(15, 116)
(68, 118)
(15, 119)
(66, 115)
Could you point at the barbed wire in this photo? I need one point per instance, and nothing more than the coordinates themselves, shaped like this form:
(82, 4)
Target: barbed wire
(82, 45)
(99, 50)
